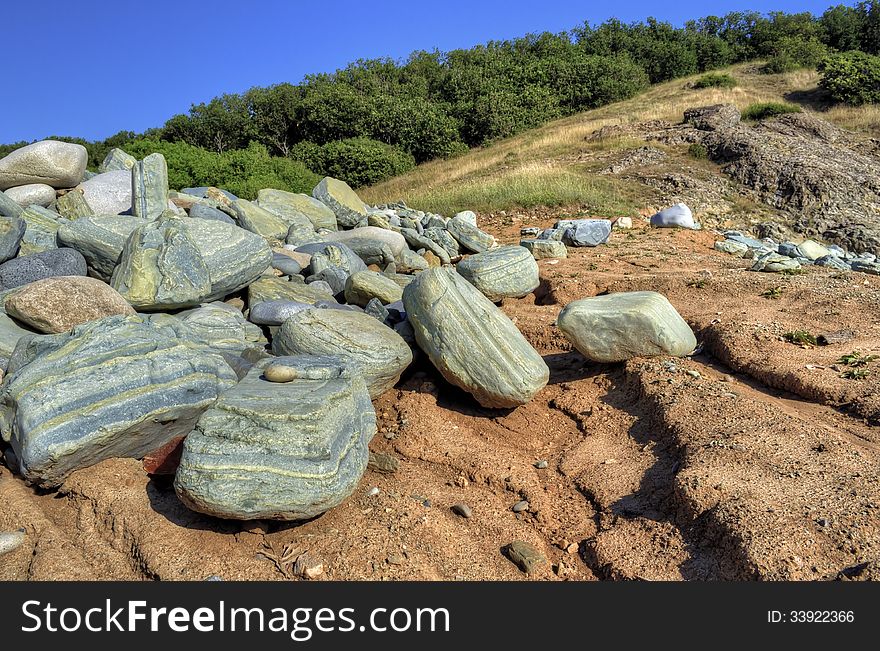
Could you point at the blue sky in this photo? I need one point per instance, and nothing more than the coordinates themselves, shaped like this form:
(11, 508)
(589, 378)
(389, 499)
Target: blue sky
(90, 68)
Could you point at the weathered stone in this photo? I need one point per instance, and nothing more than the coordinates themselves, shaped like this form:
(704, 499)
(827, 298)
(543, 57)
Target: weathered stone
(377, 310)
(258, 220)
(110, 193)
(274, 313)
(678, 215)
(552, 234)
(37, 194)
(774, 262)
(335, 278)
(469, 236)
(99, 239)
(59, 164)
(202, 211)
(530, 232)
(285, 264)
(394, 240)
(41, 230)
(72, 205)
(10, 332)
(118, 387)
(223, 328)
(525, 556)
(471, 342)
(11, 231)
(332, 254)
(833, 262)
(503, 272)
(364, 285)
(468, 216)
(117, 160)
(211, 193)
(278, 289)
(442, 237)
(286, 451)
(350, 211)
(812, 250)
(587, 232)
(57, 304)
(383, 462)
(618, 327)
(623, 223)
(149, 187)
(732, 248)
(8, 208)
(411, 262)
(300, 234)
(542, 249)
(295, 207)
(417, 241)
(864, 266)
(54, 262)
(375, 350)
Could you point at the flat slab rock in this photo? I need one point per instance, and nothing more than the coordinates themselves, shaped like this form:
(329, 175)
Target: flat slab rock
(280, 450)
(471, 342)
(118, 387)
(617, 327)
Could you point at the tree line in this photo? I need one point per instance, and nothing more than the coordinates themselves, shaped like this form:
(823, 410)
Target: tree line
(379, 117)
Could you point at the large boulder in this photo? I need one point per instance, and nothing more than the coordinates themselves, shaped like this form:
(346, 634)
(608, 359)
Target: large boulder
(296, 207)
(258, 220)
(471, 342)
(468, 235)
(378, 352)
(59, 164)
(118, 387)
(280, 450)
(180, 262)
(149, 187)
(503, 272)
(38, 194)
(618, 327)
(108, 193)
(54, 262)
(350, 211)
(8, 208)
(57, 304)
(370, 234)
(99, 239)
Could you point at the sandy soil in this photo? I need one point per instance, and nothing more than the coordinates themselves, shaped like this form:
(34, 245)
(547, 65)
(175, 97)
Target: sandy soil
(754, 459)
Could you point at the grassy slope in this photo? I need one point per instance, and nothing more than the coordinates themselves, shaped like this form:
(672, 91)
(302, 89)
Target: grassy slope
(541, 167)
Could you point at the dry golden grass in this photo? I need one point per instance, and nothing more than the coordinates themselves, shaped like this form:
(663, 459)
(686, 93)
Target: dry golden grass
(509, 172)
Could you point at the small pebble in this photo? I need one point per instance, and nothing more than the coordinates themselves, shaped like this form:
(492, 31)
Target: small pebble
(823, 522)
(462, 509)
(383, 462)
(396, 559)
(521, 506)
(693, 373)
(214, 577)
(10, 540)
(540, 465)
(373, 491)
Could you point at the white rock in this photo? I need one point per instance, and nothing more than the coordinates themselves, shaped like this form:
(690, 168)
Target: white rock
(676, 216)
(108, 193)
(38, 194)
(59, 164)
(809, 248)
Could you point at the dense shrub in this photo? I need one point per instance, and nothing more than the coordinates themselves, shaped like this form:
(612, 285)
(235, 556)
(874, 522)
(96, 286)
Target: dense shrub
(715, 80)
(698, 150)
(852, 77)
(764, 110)
(357, 161)
(243, 171)
(792, 53)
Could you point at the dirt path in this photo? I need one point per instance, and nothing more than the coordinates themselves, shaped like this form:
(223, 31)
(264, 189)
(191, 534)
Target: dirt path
(752, 460)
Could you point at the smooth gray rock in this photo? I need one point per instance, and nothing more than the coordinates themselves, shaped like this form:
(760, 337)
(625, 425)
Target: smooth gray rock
(731, 247)
(8, 208)
(38, 194)
(149, 187)
(774, 262)
(471, 342)
(335, 278)
(296, 207)
(202, 211)
(468, 216)
(363, 286)
(109, 193)
(332, 254)
(41, 230)
(99, 239)
(502, 272)
(285, 264)
(55, 163)
(11, 231)
(395, 241)
(274, 313)
(411, 262)
(54, 262)
(378, 352)
(118, 387)
(417, 241)
(377, 310)
(469, 236)
(350, 211)
(676, 216)
(442, 237)
(280, 450)
(587, 232)
(543, 249)
(279, 289)
(117, 160)
(617, 327)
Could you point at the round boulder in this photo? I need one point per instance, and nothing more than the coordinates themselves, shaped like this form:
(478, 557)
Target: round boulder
(504, 272)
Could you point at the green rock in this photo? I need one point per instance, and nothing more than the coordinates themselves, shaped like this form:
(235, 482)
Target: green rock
(350, 211)
(360, 287)
(8, 207)
(10, 332)
(417, 241)
(72, 205)
(258, 220)
(411, 262)
(118, 387)
(296, 207)
(223, 328)
(281, 451)
(442, 237)
(469, 236)
(378, 352)
(525, 556)
(278, 289)
(471, 342)
(503, 272)
(149, 187)
(618, 327)
(41, 232)
(100, 239)
(732, 248)
(543, 249)
(235, 257)
(116, 159)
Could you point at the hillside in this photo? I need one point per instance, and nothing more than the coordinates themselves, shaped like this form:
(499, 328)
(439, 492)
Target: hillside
(560, 165)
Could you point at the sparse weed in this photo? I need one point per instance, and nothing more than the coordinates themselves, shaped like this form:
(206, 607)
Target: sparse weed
(773, 292)
(856, 359)
(800, 337)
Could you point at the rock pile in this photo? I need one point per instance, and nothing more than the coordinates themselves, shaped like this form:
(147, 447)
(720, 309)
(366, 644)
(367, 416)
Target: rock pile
(133, 315)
